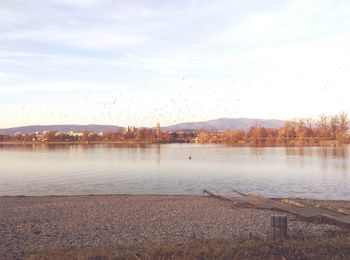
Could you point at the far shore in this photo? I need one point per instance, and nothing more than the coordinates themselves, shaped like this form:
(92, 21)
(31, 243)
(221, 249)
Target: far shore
(80, 143)
(326, 143)
(41, 224)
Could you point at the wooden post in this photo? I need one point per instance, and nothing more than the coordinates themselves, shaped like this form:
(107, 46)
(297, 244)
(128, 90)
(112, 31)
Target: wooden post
(280, 223)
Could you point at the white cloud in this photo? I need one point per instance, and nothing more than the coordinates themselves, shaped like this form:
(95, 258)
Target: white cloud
(93, 38)
(81, 3)
(98, 39)
(14, 54)
(294, 21)
(172, 64)
(3, 75)
(9, 16)
(176, 60)
(63, 86)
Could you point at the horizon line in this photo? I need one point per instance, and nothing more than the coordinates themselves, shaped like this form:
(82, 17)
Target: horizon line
(184, 122)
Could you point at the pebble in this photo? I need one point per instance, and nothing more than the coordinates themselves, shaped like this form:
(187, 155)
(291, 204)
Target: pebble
(40, 224)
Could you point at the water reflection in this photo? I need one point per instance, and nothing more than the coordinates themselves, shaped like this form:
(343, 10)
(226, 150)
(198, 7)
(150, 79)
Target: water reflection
(334, 151)
(328, 158)
(158, 153)
(78, 169)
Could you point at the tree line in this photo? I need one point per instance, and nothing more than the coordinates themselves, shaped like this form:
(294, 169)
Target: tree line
(304, 131)
(141, 135)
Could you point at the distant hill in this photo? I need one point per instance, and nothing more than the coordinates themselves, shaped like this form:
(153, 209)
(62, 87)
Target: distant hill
(223, 124)
(63, 128)
(220, 124)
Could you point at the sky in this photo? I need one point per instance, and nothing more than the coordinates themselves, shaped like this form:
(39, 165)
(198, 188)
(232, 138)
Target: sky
(143, 62)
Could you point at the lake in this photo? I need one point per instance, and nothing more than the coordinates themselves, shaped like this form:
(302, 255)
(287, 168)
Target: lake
(308, 172)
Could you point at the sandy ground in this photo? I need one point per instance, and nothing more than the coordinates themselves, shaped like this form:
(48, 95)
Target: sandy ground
(31, 225)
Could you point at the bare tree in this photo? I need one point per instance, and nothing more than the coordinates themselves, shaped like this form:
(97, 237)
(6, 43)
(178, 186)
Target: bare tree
(301, 130)
(334, 126)
(343, 126)
(322, 126)
(309, 123)
(289, 130)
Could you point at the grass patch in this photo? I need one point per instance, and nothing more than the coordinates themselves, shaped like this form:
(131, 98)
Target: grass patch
(325, 247)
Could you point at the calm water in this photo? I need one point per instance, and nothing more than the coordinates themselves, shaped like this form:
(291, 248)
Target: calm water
(313, 172)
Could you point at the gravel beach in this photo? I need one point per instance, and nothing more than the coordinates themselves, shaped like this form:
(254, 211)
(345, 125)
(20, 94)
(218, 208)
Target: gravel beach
(30, 225)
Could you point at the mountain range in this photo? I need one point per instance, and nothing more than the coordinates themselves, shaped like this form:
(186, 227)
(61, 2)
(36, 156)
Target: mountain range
(57, 128)
(221, 124)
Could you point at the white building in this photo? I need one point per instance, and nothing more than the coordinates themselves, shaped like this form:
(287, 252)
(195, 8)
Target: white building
(73, 133)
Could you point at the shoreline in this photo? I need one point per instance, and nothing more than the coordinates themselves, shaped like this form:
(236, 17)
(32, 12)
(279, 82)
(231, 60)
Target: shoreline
(160, 195)
(40, 224)
(325, 143)
(78, 143)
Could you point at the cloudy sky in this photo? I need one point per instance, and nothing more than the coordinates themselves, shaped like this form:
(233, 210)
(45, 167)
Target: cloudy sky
(139, 62)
